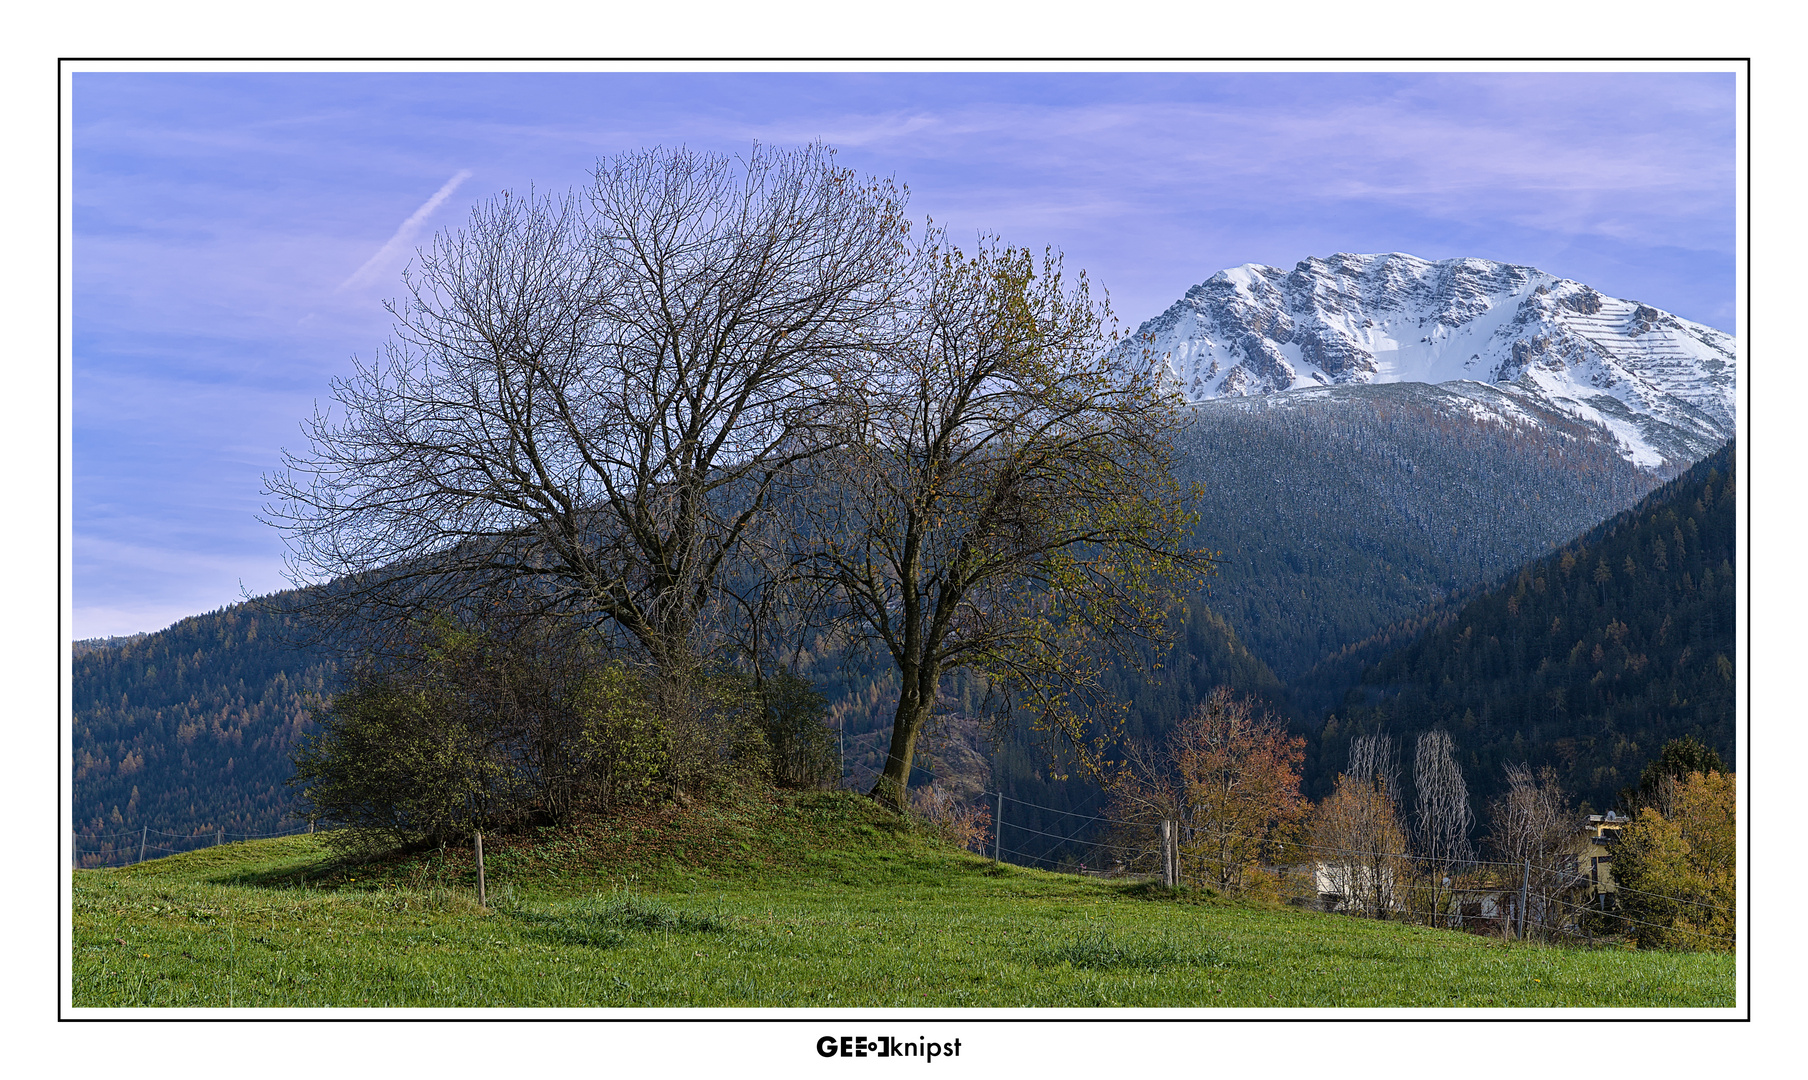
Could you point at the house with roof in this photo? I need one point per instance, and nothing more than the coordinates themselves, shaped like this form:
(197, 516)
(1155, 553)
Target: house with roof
(1594, 854)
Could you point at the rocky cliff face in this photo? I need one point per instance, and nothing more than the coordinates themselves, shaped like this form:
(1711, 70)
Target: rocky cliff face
(1662, 386)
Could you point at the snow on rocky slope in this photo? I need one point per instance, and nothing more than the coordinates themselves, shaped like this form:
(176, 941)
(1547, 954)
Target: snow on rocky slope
(1664, 387)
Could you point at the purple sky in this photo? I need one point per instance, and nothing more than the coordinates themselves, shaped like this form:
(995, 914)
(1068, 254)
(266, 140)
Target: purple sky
(236, 234)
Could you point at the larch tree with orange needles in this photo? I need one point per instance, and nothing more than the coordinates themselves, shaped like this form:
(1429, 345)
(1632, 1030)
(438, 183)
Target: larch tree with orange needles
(1230, 775)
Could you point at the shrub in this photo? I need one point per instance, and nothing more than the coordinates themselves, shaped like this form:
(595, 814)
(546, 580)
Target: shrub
(802, 747)
(494, 723)
(473, 729)
(396, 763)
(940, 811)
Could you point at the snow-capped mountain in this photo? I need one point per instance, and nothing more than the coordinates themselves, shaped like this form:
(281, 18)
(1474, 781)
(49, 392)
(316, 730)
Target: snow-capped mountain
(1663, 386)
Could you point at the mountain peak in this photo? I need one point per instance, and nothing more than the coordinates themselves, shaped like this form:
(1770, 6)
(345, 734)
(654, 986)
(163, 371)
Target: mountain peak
(1663, 386)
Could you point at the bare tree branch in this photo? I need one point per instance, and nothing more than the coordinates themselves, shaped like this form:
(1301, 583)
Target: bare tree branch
(595, 394)
(1003, 497)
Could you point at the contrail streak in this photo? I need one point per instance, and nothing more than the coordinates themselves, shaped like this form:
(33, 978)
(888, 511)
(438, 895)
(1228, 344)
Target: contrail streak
(405, 234)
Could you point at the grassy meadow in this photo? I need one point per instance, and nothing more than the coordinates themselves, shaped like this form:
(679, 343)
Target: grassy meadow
(816, 900)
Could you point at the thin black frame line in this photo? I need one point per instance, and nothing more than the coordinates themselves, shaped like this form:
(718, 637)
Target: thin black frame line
(885, 60)
(63, 933)
(1746, 61)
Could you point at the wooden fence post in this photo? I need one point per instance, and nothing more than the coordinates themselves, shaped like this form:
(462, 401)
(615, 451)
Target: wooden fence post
(1170, 856)
(482, 899)
(1167, 853)
(1174, 853)
(998, 829)
(1525, 881)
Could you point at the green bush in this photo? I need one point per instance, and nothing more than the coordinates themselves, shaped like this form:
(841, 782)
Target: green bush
(802, 746)
(480, 729)
(494, 725)
(396, 763)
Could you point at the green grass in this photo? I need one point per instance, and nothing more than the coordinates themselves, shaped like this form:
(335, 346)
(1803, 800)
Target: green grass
(816, 900)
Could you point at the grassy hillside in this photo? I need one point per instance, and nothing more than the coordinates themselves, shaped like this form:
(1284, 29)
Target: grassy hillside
(812, 900)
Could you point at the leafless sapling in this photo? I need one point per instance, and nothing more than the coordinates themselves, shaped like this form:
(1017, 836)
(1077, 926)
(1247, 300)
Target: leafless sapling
(1535, 834)
(1361, 847)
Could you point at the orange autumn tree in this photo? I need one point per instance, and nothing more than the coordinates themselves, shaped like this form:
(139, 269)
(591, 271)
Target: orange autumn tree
(1229, 773)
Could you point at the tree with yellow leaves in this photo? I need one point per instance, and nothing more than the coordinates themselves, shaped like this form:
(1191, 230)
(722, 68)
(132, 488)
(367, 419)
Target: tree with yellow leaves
(1359, 846)
(1676, 875)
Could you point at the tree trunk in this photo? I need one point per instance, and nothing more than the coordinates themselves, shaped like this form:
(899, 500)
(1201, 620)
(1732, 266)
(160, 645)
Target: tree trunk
(916, 699)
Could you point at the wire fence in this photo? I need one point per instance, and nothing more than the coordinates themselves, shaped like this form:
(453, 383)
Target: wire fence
(91, 851)
(1487, 895)
(1517, 899)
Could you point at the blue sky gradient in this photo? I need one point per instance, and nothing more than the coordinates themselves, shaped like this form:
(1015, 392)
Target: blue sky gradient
(236, 234)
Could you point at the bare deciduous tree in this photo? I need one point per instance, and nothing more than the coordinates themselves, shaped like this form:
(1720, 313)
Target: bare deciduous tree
(1534, 830)
(1443, 817)
(1004, 498)
(595, 394)
(1357, 830)
(1375, 761)
(1358, 847)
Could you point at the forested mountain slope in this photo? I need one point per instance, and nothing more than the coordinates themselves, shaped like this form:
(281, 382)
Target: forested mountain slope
(1339, 513)
(1588, 660)
(188, 730)
(964, 754)
(1350, 520)
(1342, 511)
(1057, 802)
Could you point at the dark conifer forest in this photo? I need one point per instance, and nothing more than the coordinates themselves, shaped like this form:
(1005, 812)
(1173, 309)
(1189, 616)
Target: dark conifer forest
(1344, 511)
(188, 731)
(1588, 660)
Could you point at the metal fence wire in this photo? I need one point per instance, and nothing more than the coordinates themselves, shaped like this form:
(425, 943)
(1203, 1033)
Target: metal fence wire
(1480, 894)
(92, 851)
(1489, 895)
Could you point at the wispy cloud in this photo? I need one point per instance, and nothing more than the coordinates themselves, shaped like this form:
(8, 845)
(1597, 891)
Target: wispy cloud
(214, 216)
(404, 235)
